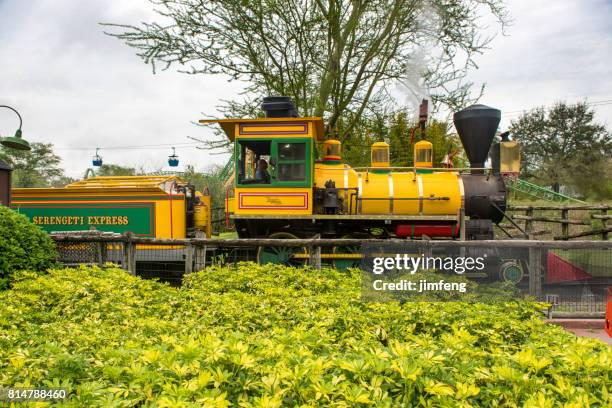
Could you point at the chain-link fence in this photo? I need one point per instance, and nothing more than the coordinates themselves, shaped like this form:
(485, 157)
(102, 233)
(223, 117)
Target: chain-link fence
(572, 276)
(165, 261)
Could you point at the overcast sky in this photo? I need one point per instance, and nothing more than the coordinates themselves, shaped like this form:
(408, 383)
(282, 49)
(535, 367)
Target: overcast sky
(80, 89)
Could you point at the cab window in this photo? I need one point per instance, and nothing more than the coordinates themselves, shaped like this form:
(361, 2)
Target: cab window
(291, 161)
(253, 161)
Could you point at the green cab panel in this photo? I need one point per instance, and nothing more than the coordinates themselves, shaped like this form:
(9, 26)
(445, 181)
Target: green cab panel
(289, 162)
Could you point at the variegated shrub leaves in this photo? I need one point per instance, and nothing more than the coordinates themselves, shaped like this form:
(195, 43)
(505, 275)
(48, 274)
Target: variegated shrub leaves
(269, 336)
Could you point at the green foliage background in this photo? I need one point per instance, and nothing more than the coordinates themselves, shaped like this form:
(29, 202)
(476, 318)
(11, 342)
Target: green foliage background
(395, 129)
(271, 335)
(115, 170)
(22, 246)
(213, 179)
(563, 145)
(39, 167)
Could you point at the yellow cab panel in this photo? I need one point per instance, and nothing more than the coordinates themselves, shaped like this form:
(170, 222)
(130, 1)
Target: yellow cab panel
(273, 168)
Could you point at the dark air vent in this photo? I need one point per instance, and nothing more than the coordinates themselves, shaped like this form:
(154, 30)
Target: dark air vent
(279, 107)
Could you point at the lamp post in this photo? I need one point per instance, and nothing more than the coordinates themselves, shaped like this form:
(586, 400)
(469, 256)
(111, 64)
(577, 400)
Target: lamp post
(14, 142)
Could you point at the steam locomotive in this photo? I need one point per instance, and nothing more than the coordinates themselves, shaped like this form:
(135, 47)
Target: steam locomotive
(281, 190)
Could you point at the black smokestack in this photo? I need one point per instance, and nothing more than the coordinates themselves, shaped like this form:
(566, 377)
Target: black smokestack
(476, 126)
(279, 107)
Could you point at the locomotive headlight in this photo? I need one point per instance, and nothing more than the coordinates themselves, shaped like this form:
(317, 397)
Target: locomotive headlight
(510, 157)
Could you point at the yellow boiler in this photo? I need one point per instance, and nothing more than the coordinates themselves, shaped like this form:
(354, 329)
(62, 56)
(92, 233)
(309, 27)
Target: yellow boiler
(405, 193)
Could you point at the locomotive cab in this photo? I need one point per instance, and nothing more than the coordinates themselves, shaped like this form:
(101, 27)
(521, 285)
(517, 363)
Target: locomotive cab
(274, 159)
(273, 168)
(279, 188)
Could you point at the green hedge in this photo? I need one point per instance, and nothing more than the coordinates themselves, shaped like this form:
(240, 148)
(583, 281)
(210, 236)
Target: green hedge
(278, 336)
(23, 246)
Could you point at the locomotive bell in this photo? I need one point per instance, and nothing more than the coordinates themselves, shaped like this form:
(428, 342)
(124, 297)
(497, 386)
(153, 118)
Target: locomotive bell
(476, 126)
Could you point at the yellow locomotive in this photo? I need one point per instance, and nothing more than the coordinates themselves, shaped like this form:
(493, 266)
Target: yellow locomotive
(281, 190)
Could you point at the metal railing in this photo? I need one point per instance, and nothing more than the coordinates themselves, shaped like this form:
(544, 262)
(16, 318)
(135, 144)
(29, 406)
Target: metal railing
(571, 276)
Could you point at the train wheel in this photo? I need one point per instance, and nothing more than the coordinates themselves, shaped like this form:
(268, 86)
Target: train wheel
(352, 261)
(511, 271)
(294, 256)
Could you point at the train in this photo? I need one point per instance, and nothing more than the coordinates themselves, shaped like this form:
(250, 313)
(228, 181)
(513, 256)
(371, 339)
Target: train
(290, 181)
(281, 188)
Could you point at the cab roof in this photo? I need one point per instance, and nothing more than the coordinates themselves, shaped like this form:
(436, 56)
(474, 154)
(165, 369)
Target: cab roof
(229, 125)
(102, 186)
(125, 181)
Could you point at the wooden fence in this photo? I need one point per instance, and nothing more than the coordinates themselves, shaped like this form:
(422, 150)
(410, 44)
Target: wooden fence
(559, 222)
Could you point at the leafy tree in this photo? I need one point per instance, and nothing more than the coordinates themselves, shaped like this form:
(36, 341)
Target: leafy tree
(563, 145)
(336, 58)
(38, 167)
(212, 180)
(115, 170)
(395, 128)
(62, 181)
